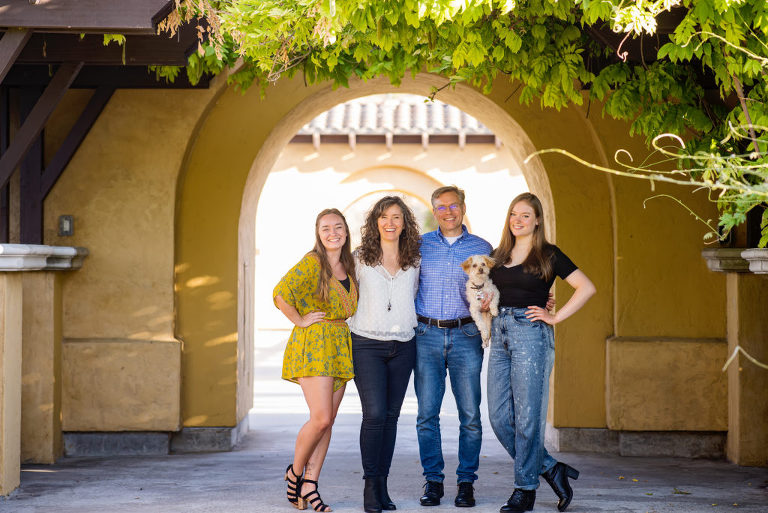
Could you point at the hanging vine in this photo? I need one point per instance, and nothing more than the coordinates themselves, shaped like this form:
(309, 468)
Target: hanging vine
(544, 46)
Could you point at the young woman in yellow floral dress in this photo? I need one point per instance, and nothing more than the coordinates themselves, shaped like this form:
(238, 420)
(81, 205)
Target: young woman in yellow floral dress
(317, 296)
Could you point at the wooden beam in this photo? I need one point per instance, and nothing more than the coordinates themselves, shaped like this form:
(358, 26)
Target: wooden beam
(30, 172)
(136, 51)
(76, 136)
(36, 120)
(110, 16)
(5, 137)
(11, 46)
(91, 77)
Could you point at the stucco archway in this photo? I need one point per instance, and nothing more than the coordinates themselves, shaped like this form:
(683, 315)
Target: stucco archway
(229, 161)
(469, 100)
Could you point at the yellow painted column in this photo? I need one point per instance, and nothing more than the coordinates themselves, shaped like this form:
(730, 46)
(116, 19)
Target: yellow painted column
(41, 440)
(747, 383)
(28, 287)
(10, 380)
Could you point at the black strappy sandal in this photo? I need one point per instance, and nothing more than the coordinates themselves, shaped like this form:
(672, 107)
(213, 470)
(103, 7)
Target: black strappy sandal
(316, 502)
(293, 485)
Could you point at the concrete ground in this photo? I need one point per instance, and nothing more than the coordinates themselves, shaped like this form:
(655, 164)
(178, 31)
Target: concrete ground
(250, 478)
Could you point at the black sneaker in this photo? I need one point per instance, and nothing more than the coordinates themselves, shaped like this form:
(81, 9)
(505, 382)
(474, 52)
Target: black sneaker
(466, 496)
(433, 490)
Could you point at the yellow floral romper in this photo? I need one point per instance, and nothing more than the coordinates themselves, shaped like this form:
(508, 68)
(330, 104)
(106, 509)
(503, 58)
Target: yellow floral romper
(323, 348)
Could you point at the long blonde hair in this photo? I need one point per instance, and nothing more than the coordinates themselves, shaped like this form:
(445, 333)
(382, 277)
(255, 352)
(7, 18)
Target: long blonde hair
(539, 259)
(326, 273)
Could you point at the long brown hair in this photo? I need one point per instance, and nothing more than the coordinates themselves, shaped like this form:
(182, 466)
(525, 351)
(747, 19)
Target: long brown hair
(326, 273)
(539, 259)
(408, 246)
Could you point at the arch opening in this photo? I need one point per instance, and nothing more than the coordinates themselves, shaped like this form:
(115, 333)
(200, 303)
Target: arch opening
(351, 175)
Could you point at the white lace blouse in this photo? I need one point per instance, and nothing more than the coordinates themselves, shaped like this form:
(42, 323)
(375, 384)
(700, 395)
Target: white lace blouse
(386, 306)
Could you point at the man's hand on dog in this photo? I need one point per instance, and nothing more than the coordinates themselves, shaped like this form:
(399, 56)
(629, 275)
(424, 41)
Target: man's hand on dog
(485, 305)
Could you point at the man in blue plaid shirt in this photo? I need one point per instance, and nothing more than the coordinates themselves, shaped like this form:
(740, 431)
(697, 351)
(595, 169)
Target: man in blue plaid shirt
(447, 339)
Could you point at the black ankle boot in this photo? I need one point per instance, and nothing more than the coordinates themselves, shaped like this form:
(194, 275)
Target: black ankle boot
(386, 502)
(557, 477)
(371, 502)
(519, 502)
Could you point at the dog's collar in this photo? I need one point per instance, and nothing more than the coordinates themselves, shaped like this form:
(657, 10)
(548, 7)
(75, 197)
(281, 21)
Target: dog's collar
(477, 287)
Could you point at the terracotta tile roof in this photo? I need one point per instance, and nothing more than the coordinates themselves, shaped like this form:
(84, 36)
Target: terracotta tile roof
(395, 114)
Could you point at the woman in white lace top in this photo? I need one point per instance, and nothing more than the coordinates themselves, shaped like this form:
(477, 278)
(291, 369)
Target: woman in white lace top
(383, 345)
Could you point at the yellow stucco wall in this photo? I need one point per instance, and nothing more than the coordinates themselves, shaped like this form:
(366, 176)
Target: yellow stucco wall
(209, 196)
(668, 384)
(120, 187)
(660, 274)
(163, 188)
(121, 385)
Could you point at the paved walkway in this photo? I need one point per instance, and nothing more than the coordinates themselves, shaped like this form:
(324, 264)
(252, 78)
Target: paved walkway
(249, 479)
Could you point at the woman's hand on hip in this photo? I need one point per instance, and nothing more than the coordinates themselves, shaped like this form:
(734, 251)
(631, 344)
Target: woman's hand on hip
(537, 313)
(550, 302)
(310, 319)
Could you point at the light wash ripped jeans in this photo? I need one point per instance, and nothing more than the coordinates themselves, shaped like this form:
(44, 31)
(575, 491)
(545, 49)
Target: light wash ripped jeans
(520, 362)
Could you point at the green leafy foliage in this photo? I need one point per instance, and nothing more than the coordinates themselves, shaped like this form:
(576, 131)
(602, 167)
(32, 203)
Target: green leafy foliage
(547, 48)
(166, 73)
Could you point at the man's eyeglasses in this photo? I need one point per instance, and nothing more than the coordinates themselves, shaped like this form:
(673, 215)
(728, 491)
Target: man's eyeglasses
(444, 208)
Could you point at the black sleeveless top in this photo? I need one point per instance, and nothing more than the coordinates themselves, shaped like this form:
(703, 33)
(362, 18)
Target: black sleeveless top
(519, 289)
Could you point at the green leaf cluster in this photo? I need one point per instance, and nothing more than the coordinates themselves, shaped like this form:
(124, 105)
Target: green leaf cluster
(706, 84)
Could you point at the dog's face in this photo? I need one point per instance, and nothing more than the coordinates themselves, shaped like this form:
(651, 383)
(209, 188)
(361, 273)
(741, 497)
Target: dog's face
(478, 266)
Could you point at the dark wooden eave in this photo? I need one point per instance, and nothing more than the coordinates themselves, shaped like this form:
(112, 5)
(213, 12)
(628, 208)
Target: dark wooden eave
(74, 16)
(35, 121)
(91, 77)
(54, 45)
(11, 45)
(141, 50)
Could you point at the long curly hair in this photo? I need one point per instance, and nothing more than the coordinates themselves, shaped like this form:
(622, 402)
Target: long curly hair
(326, 273)
(369, 251)
(539, 259)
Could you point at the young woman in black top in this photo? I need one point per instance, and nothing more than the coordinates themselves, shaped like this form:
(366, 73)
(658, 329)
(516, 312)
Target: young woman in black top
(523, 349)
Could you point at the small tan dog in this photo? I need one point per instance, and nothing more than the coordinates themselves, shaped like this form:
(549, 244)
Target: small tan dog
(479, 284)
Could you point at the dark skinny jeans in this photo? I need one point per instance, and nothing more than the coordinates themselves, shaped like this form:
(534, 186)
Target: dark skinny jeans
(382, 371)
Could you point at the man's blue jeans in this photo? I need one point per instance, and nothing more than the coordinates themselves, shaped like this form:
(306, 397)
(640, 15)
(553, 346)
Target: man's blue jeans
(520, 362)
(460, 351)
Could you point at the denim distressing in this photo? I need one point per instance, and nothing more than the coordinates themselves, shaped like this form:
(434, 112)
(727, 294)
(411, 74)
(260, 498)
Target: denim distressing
(519, 365)
(460, 351)
(382, 371)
